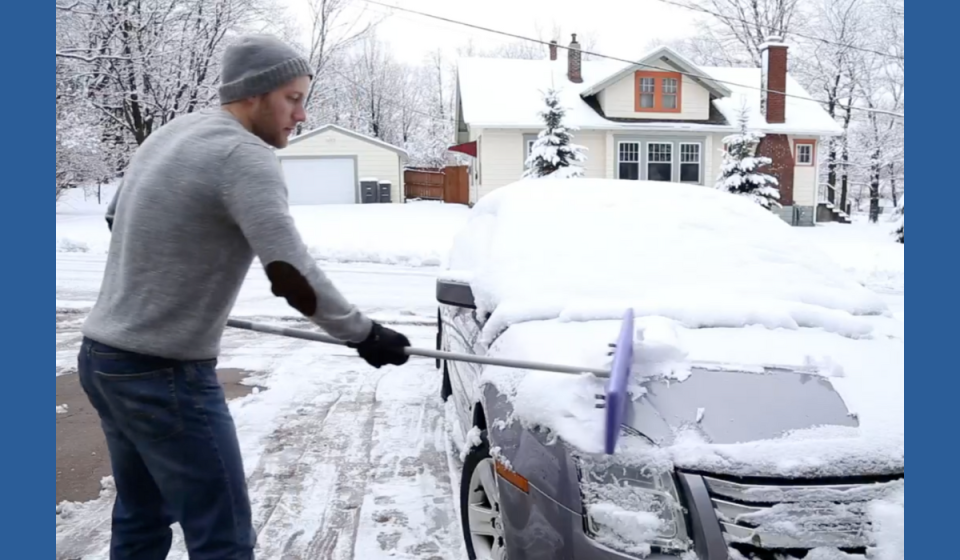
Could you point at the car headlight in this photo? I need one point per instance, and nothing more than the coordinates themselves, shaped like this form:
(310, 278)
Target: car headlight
(630, 509)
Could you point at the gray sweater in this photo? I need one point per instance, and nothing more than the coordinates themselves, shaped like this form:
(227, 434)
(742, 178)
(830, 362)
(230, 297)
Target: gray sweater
(201, 198)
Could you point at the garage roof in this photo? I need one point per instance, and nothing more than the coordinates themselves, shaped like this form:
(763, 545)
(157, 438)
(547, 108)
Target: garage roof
(348, 132)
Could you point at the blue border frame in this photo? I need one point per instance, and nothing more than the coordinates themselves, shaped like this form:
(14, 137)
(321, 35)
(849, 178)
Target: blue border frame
(20, 98)
(931, 380)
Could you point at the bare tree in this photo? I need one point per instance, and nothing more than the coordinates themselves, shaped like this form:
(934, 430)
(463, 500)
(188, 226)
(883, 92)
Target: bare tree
(333, 30)
(830, 72)
(734, 30)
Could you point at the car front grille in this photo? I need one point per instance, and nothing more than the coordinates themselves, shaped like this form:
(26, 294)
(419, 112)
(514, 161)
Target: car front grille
(797, 516)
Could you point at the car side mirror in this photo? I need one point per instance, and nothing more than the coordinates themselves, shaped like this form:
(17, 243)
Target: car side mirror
(457, 294)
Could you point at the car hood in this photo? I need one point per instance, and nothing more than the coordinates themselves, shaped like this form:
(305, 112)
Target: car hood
(737, 406)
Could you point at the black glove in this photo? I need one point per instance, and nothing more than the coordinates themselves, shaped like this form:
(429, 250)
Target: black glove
(383, 347)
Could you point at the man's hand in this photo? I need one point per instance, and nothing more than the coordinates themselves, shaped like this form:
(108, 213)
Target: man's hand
(383, 347)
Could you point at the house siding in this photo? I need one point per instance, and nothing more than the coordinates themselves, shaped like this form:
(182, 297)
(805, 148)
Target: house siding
(503, 152)
(619, 100)
(715, 157)
(372, 160)
(804, 178)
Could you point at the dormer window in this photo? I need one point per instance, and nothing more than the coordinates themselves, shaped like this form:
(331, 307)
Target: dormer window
(658, 92)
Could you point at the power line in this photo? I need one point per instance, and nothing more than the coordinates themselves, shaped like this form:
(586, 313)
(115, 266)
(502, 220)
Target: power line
(798, 34)
(632, 62)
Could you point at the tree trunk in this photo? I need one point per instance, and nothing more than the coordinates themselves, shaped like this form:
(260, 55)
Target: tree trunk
(845, 176)
(875, 187)
(893, 184)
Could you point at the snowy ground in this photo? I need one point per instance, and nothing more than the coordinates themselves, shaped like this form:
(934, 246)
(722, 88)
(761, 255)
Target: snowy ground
(343, 461)
(866, 250)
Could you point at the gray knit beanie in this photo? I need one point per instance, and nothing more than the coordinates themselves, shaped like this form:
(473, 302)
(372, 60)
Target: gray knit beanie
(258, 64)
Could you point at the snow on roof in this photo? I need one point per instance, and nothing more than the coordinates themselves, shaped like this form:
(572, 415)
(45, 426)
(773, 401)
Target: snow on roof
(348, 132)
(803, 117)
(507, 93)
(586, 249)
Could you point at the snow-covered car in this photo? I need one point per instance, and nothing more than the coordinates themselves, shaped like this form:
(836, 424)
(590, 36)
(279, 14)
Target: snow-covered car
(766, 409)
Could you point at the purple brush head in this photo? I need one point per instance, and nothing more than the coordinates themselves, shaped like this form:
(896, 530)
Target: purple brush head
(616, 401)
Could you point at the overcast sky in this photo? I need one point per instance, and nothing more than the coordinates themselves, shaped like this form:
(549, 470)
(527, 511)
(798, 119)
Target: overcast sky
(623, 27)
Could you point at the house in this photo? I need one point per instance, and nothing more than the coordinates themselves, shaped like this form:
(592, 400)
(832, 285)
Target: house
(662, 118)
(334, 165)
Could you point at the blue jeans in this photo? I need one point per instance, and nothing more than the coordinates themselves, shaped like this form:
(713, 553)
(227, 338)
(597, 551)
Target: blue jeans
(174, 452)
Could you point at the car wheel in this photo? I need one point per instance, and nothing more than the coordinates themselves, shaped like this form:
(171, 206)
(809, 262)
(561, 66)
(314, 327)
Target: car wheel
(447, 389)
(480, 514)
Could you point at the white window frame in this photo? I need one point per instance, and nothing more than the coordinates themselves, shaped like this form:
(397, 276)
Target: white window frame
(667, 91)
(673, 159)
(639, 161)
(652, 93)
(699, 163)
(800, 162)
(527, 150)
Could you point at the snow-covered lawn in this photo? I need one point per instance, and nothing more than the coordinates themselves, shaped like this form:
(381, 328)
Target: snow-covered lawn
(413, 234)
(865, 250)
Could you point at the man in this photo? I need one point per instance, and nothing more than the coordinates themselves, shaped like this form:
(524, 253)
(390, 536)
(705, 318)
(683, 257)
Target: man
(202, 197)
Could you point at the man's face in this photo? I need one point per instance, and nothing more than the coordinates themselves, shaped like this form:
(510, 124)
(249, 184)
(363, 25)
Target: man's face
(276, 114)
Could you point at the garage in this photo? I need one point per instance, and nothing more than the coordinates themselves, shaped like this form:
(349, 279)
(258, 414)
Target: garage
(312, 181)
(327, 165)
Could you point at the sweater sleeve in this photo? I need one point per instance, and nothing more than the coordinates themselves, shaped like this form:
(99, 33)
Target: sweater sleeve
(255, 196)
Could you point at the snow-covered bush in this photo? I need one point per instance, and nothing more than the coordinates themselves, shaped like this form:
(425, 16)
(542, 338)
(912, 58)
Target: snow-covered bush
(741, 171)
(553, 154)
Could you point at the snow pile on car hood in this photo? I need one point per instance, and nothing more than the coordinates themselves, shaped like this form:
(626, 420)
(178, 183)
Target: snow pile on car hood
(763, 430)
(586, 249)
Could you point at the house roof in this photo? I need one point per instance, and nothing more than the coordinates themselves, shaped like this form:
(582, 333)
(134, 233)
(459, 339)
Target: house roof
(508, 93)
(660, 56)
(804, 116)
(351, 133)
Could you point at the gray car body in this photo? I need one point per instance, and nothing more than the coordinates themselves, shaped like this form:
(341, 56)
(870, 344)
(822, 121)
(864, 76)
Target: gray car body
(548, 523)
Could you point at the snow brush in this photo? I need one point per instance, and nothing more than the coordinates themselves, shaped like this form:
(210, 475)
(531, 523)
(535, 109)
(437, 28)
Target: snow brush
(614, 401)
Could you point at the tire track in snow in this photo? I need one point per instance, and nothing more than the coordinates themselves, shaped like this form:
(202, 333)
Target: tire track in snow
(314, 515)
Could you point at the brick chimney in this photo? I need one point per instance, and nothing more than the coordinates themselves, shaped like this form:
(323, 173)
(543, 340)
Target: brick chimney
(774, 79)
(573, 62)
(553, 50)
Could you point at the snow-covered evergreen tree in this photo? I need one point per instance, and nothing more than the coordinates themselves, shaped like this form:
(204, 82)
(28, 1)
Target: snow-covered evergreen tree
(741, 171)
(554, 154)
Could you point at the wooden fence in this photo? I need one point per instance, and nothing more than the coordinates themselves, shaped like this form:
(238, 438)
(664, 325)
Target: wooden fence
(424, 184)
(450, 184)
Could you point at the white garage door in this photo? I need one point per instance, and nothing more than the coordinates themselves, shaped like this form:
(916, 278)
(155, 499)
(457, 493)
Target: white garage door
(320, 181)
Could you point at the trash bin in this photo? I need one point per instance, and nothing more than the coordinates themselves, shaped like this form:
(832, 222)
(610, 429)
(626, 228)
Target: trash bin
(386, 192)
(369, 191)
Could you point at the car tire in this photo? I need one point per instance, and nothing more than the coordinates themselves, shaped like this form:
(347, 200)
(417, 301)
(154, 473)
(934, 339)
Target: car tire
(446, 390)
(439, 336)
(473, 494)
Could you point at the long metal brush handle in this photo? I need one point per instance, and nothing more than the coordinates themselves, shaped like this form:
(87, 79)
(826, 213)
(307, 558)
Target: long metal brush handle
(436, 354)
